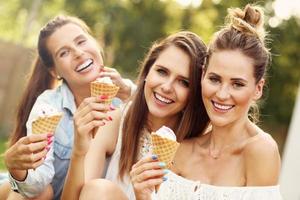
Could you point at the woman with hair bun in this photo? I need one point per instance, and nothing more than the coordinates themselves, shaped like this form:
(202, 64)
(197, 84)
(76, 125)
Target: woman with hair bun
(235, 159)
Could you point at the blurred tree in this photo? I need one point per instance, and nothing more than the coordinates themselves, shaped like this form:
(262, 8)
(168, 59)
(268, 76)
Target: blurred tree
(126, 28)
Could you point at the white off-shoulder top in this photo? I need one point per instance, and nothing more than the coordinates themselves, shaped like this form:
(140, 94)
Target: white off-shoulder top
(179, 188)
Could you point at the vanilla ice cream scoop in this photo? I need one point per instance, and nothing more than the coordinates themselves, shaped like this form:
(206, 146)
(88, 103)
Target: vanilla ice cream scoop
(45, 110)
(106, 80)
(41, 112)
(166, 132)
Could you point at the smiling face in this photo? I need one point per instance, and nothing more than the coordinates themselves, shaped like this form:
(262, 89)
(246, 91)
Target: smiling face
(76, 55)
(167, 84)
(228, 87)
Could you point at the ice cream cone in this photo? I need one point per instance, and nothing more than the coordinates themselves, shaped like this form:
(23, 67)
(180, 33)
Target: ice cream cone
(45, 124)
(109, 90)
(165, 150)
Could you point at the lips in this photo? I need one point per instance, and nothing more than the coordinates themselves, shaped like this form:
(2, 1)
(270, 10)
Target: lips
(222, 107)
(162, 99)
(87, 63)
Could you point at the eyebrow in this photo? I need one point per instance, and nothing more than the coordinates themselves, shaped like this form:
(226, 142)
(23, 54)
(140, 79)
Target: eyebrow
(183, 77)
(232, 79)
(63, 47)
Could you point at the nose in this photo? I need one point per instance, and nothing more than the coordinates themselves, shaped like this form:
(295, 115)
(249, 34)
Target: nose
(223, 93)
(167, 86)
(77, 52)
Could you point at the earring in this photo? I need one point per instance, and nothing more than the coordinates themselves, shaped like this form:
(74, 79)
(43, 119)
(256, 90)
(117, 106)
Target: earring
(58, 77)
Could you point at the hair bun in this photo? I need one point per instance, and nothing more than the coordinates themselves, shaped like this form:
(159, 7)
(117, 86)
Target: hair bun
(250, 20)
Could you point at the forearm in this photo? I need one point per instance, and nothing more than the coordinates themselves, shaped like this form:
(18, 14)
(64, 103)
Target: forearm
(75, 178)
(19, 175)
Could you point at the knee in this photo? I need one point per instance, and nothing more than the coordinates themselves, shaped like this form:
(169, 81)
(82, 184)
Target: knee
(101, 188)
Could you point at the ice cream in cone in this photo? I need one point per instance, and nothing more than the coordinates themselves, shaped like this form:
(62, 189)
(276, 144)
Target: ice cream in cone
(104, 86)
(46, 120)
(164, 145)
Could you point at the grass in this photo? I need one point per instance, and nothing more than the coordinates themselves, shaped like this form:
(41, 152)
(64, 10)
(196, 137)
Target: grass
(3, 143)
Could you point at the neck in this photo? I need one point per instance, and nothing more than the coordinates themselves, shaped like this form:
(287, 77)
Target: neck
(80, 93)
(225, 137)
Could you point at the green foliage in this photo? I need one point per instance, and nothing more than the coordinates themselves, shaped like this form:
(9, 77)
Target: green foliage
(3, 145)
(126, 28)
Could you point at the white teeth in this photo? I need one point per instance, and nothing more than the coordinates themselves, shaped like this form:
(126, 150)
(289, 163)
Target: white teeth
(222, 107)
(84, 65)
(163, 99)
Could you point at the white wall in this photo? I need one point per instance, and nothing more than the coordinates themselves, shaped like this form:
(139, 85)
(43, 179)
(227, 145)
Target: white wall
(290, 171)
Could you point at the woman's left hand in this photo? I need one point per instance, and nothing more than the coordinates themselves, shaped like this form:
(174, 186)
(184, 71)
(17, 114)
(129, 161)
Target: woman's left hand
(125, 89)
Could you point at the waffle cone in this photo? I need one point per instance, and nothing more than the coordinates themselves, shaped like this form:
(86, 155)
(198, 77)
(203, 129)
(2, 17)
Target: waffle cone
(98, 89)
(164, 148)
(45, 124)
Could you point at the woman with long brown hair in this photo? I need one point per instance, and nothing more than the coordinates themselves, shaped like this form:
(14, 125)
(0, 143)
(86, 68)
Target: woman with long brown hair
(235, 159)
(37, 163)
(167, 94)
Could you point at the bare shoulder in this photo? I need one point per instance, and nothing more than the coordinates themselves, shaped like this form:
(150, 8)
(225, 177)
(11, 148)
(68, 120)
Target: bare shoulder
(262, 160)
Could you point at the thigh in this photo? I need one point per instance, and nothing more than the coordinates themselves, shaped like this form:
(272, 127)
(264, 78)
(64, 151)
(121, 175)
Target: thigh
(47, 194)
(102, 188)
(4, 190)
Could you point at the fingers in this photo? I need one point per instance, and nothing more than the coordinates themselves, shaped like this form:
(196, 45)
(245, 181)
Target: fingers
(90, 100)
(35, 138)
(146, 159)
(26, 156)
(150, 183)
(112, 73)
(148, 168)
(32, 147)
(108, 69)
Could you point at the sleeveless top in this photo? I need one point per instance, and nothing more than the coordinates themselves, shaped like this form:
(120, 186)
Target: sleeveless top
(179, 188)
(112, 173)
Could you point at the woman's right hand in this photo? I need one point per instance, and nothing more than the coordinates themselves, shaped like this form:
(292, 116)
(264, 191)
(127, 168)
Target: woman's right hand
(90, 114)
(147, 174)
(28, 152)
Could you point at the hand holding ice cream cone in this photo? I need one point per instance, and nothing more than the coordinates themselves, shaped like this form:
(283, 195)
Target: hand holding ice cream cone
(104, 87)
(46, 120)
(164, 146)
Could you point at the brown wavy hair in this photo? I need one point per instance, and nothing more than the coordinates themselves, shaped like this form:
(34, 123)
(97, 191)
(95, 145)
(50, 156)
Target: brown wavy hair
(193, 120)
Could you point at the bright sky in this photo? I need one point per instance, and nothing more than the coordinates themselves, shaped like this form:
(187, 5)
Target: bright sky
(284, 9)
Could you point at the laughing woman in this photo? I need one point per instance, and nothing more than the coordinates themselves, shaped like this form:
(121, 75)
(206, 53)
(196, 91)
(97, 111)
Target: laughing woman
(38, 163)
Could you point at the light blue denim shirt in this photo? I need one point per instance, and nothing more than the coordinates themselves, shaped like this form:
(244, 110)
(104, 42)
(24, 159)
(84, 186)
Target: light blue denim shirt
(54, 168)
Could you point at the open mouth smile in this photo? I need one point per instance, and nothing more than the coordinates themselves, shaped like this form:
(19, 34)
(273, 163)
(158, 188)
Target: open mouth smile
(162, 99)
(84, 65)
(222, 107)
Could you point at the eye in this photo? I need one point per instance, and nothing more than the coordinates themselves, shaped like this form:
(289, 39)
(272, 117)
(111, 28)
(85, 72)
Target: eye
(184, 82)
(64, 53)
(238, 84)
(214, 79)
(162, 72)
(82, 41)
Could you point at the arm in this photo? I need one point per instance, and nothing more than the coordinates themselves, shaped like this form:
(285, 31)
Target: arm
(262, 161)
(31, 152)
(90, 114)
(103, 145)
